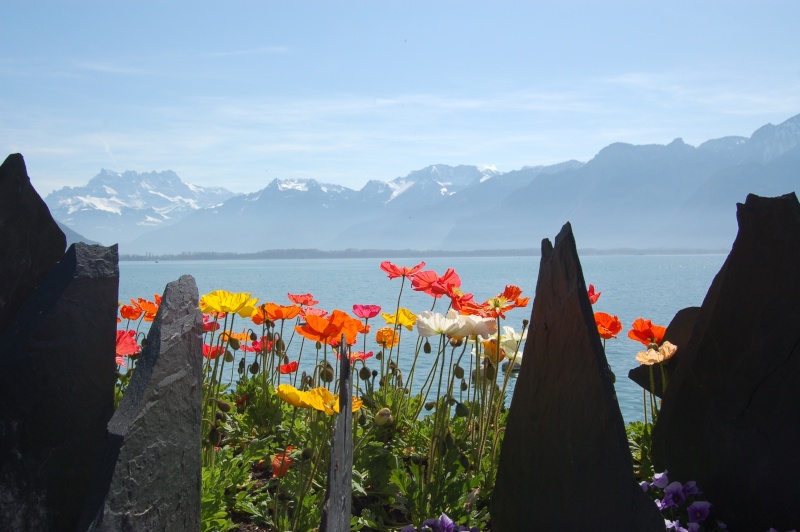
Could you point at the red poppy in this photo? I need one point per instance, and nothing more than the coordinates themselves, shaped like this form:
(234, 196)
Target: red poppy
(126, 345)
(302, 299)
(291, 367)
(366, 311)
(359, 355)
(209, 324)
(150, 309)
(281, 463)
(608, 326)
(212, 352)
(263, 346)
(644, 331)
(400, 271)
(592, 296)
(499, 305)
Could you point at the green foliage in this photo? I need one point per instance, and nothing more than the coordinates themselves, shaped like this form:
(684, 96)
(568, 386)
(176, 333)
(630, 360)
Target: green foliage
(640, 442)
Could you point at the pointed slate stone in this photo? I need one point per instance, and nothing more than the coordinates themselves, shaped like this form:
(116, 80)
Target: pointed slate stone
(678, 333)
(30, 241)
(57, 374)
(731, 415)
(148, 476)
(565, 462)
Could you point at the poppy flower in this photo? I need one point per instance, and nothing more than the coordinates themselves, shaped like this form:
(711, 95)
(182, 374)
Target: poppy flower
(302, 299)
(209, 323)
(498, 305)
(403, 317)
(319, 399)
(395, 271)
(311, 311)
(432, 323)
(645, 332)
(227, 335)
(492, 351)
(285, 369)
(149, 308)
(359, 355)
(652, 356)
(366, 311)
(459, 299)
(263, 346)
(126, 345)
(608, 326)
(435, 285)
(387, 337)
(241, 303)
(593, 297)
(330, 329)
(212, 352)
(131, 312)
(273, 312)
(281, 463)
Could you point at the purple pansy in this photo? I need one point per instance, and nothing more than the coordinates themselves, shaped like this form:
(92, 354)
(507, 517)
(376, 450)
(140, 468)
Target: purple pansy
(690, 488)
(644, 485)
(674, 491)
(660, 480)
(674, 525)
(698, 511)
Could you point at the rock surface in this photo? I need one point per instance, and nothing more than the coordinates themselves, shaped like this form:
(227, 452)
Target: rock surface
(30, 241)
(565, 463)
(57, 374)
(148, 476)
(731, 415)
(338, 494)
(678, 333)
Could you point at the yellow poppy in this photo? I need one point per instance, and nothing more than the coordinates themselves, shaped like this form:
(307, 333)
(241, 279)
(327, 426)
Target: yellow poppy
(403, 317)
(319, 399)
(242, 303)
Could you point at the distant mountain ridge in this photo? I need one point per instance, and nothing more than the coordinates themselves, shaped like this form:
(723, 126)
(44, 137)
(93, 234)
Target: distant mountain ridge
(628, 196)
(116, 206)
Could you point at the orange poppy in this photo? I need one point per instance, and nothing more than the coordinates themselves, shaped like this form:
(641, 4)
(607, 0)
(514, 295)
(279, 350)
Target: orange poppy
(150, 309)
(131, 312)
(274, 312)
(387, 337)
(281, 463)
(645, 332)
(608, 326)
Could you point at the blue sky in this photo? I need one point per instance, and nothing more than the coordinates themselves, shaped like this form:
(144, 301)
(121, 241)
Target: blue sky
(235, 94)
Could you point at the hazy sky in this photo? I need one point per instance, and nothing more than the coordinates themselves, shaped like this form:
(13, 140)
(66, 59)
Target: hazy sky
(238, 93)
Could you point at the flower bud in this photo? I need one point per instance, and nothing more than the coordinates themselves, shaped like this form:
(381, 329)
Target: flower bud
(458, 371)
(253, 336)
(383, 417)
(327, 374)
(462, 410)
(307, 454)
(426, 347)
(214, 436)
(429, 405)
(456, 342)
(234, 343)
(254, 368)
(224, 406)
(464, 385)
(228, 357)
(464, 461)
(364, 373)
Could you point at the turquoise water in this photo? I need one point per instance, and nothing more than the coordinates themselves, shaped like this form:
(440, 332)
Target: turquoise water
(651, 286)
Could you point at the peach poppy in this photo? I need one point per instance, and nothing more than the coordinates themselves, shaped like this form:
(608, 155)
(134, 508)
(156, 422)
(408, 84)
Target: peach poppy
(645, 332)
(608, 326)
(302, 299)
(395, 271)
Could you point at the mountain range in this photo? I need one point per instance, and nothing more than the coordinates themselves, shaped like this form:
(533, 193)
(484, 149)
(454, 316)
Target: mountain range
(673, 196)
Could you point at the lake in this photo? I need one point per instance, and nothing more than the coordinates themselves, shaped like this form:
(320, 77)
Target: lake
(654, 287)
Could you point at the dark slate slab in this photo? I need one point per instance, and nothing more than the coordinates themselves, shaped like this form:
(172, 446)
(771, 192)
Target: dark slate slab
(30, 241)
(57, 374)
(338, 494)
(565, 463)
(731, 416)
(678, 333)
(148, 476)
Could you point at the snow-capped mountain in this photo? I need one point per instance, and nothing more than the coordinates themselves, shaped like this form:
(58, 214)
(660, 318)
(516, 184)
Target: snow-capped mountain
(118, 207)
(632, 196)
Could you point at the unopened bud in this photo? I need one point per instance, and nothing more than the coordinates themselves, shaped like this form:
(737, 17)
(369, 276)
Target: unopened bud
(458, 371)
(426, 347)
(254, 368)
(383, 417)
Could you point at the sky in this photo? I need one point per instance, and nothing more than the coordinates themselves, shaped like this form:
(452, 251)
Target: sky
(237, 93)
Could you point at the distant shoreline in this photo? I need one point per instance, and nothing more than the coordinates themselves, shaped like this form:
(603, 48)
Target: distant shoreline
(277, 254)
